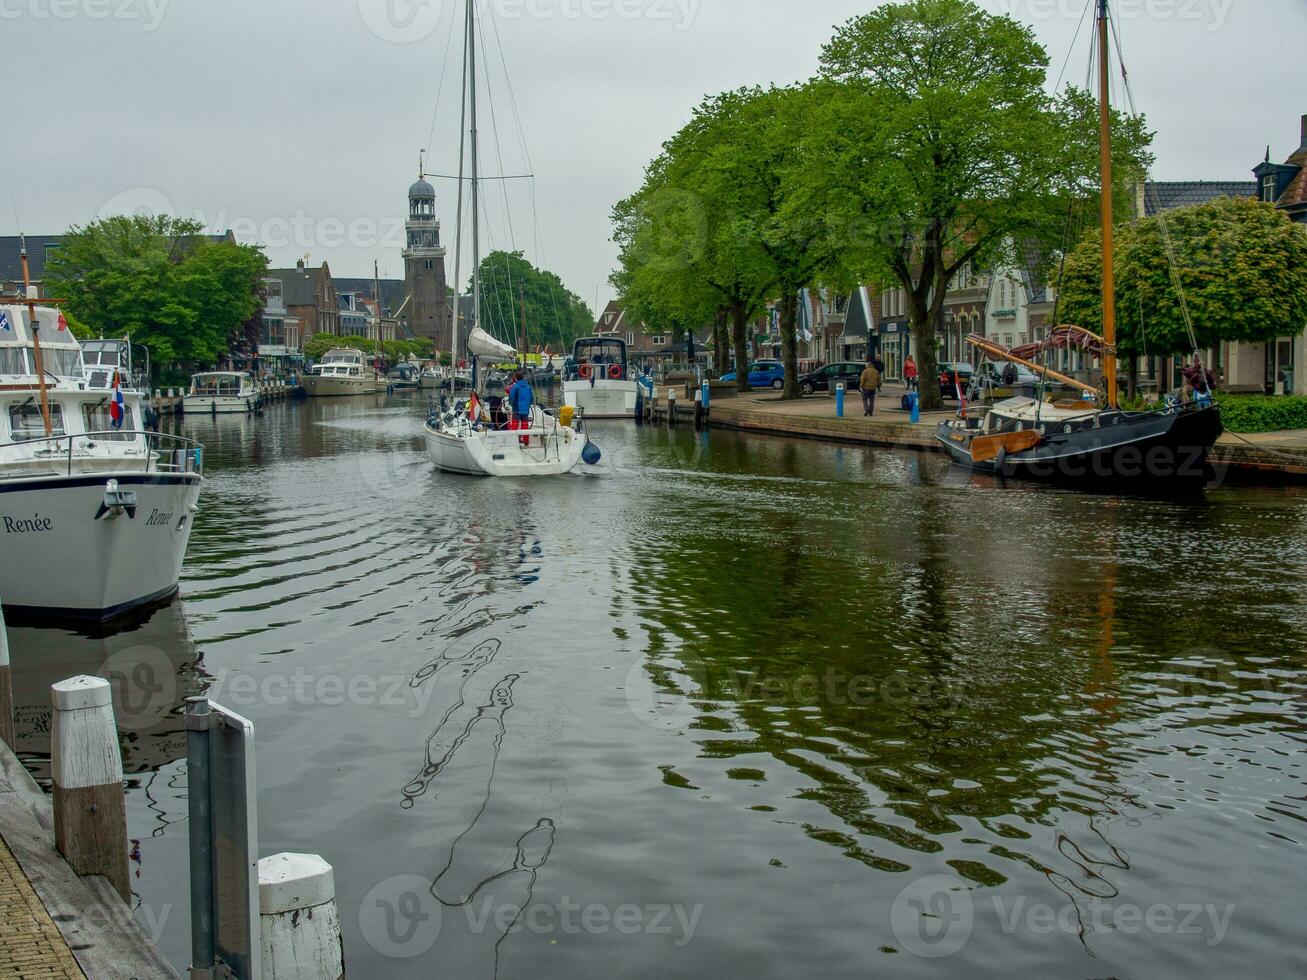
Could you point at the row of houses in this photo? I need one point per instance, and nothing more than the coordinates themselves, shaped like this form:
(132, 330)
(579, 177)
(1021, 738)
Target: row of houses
(1016, 305)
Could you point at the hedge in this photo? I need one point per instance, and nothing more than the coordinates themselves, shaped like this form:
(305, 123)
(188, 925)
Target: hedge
(1262, 413)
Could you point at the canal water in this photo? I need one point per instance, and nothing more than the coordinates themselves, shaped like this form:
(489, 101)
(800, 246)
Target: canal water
(729, 706)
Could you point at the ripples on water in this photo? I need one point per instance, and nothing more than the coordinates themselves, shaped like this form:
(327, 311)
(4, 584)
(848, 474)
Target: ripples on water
(779, 682)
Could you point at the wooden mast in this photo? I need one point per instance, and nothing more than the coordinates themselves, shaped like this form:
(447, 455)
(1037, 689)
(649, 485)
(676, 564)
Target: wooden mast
(1105, 154)
(35, 326)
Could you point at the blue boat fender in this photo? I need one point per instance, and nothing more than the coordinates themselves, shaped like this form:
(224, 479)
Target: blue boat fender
(591, 454)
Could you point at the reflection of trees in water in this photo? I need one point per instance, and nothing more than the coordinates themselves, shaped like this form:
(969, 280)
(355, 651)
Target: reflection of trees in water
(953, 683)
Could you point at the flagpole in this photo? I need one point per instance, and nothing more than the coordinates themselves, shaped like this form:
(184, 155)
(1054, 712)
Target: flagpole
(36, 340)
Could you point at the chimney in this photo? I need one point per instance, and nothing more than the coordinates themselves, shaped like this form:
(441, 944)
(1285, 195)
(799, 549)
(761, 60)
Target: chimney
(1304, 134)
(300, 265)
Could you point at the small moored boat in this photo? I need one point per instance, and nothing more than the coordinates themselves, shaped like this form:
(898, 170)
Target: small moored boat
(221, 392)
(343, 371)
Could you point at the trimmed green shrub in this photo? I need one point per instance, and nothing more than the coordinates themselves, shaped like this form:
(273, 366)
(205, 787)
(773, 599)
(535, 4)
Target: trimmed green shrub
(1262, 413)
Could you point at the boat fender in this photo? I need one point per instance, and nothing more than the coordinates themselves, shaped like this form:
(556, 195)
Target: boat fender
(1000, 463)
(591, 454)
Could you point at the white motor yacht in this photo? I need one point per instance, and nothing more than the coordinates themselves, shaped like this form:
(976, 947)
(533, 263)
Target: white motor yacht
(221, 392)
(344, 371)
(95, 511)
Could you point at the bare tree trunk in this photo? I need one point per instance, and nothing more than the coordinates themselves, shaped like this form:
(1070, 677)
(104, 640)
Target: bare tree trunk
(790, 343)
(923, 342)
(739, 328)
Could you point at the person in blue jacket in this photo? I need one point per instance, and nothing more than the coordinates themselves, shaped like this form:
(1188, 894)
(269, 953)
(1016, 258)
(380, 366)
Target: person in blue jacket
(520, 398)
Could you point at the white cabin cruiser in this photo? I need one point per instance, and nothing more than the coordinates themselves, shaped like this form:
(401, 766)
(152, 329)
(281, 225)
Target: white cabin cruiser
(221, 392)
(344, 371)
(598, 381)
(95, 511)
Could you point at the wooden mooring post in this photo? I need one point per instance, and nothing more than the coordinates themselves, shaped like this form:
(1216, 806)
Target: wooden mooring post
(90, 813)
(6, 689)
(299, 923)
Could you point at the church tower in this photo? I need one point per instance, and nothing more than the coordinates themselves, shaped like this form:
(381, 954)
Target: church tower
(424, 268)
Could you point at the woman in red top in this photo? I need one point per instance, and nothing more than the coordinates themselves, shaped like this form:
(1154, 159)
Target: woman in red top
(910, 372)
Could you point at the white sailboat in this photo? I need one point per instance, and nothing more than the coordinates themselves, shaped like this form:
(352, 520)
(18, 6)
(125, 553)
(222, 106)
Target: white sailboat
(463, 439)
(95, 511)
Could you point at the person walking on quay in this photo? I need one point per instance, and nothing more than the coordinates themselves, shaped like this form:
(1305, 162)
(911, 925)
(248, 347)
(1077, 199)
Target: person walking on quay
(870, 384)
(910, 373)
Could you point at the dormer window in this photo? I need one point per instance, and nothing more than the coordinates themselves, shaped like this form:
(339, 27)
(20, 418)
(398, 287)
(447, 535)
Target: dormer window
(1268, 190)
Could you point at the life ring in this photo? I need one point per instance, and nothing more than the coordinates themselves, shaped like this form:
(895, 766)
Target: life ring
(584, 371)
(615, 372)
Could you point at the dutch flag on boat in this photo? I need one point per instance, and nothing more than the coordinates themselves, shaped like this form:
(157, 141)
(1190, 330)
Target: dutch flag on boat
(4, 321)
(116, 405)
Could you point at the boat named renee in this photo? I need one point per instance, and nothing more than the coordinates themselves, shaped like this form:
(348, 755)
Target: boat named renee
(95, 511)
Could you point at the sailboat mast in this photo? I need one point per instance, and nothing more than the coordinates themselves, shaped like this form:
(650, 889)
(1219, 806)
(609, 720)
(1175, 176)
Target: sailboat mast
(476, 204)
(1105, 151)
(458, 221)
(35, 326)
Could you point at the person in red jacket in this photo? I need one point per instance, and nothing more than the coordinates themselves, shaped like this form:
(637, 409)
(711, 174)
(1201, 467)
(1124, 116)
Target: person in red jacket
(910, 373)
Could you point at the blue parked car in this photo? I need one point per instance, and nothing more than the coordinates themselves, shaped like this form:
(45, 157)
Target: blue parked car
(763, 374)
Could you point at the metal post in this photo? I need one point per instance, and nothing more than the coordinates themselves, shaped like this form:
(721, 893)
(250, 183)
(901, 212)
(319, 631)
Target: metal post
(6, 690)
(203, 955)
(839, 400)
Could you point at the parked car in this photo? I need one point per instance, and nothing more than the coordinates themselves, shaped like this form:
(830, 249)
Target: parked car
(951, 373)
(763, 374)
(826, 378)
(1005, 375)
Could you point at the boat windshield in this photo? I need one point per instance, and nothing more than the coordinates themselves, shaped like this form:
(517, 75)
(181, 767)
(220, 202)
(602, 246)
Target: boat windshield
(216, 384)
(599, 351)
(15, 360)
(61, 362)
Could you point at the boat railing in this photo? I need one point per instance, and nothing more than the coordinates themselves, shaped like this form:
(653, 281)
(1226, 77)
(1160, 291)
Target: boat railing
(160, 452)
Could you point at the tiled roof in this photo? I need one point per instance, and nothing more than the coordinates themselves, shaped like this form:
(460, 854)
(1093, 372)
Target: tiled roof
(393, 291)
(298, 286)
(1295, 196)
(1166, 195)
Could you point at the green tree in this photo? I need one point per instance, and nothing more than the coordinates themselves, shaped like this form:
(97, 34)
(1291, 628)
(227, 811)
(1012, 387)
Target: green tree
(943, 150)
(161, 281)
(1241, 266)
(316, 347)
(555, 316)
(691, 239)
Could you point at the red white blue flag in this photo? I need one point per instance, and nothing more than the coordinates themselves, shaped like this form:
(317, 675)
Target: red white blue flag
(116, 406)
(63, 323)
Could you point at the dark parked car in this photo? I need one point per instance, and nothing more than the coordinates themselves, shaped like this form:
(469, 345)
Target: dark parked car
(951, 373)
(826, 378)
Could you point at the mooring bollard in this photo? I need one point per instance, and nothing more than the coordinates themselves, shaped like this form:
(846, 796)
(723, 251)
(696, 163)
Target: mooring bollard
(839, 400)
(90, 815)
(698, 409)
(299, 923)
(671, 406)
(6, 690)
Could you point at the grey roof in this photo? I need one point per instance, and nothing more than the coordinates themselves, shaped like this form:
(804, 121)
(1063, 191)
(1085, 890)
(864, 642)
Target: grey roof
(422, 189)
(1166, 195)
(297, 285)
(392, 291)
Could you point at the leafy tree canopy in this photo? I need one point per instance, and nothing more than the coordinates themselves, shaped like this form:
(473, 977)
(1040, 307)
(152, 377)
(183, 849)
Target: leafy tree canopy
(161, 281)
(555, 316)
(1242, 266)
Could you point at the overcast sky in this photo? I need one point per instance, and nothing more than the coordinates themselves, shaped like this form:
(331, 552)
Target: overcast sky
(298, 122)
